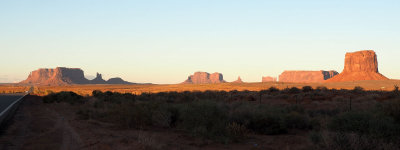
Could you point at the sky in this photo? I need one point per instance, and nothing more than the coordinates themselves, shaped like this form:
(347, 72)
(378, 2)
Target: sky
(165, 41)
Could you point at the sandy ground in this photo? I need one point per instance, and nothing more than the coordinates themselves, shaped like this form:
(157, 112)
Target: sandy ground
(56, 126)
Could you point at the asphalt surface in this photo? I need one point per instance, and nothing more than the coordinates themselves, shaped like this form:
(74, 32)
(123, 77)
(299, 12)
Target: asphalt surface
(7, 99)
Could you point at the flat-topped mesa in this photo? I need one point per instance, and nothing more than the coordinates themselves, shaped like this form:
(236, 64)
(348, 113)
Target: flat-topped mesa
(360, 65)
(268, 79)
(65, 76)
(239, 80)
(204, 78)
(57, 76)
(306, 76)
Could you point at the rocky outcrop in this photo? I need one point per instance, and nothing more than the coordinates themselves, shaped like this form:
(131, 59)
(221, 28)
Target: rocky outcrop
(306, 76)
(205, 78)
(268, 79)
(98, 80)
(360, 65)
(66, 76)
(239, 80)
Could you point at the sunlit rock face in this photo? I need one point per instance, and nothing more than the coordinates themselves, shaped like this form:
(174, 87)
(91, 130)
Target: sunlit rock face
(360, 65)
(57, 76)
(306, 76)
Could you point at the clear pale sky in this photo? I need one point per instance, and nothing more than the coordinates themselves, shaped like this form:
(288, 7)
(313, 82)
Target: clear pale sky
(164, 41)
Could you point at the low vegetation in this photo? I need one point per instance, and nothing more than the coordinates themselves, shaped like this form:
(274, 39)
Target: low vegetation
(356, 119)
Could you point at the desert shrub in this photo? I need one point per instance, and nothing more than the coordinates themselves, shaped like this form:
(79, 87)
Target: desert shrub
(263, 92)
(260, 119)
(294, 108)
(323, 112)
(68, 97)
(295, 117)
(358, 89)
(165, 116)
(97, 93)
(340, 99)
(395, 92)
(383, 127)
(392, 108)
(348, 141)
(367, 124)
(307, 89)
(316, 138)
(321, 89)
(206, 119)
(236, 132)
(294, 90)
(273, 89)
(295, 120)
(250, 98)
(282, 96)
(351, 122)
(132, 115)
(268, 124)
(113, 97)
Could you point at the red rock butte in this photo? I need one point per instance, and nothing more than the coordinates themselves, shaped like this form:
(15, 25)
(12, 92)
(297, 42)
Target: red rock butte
(306, 76)
(360, 65)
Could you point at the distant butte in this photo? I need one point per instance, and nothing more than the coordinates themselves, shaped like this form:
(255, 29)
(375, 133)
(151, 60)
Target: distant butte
(239, 80)
(66, 76)
(360, 65)
(204, 78)
(268, 79)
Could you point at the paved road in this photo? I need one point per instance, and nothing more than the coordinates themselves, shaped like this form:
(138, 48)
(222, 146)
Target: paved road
(7, 99)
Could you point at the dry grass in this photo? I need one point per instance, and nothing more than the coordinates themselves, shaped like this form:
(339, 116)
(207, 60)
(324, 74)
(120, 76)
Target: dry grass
(138, 89)
(11, 88)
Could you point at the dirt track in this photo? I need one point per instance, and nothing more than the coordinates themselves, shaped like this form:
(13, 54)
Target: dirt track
(37, 127)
